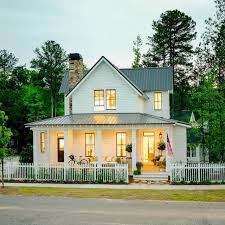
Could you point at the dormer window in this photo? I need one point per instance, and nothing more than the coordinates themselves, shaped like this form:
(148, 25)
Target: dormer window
(111, 99)
(158, 100)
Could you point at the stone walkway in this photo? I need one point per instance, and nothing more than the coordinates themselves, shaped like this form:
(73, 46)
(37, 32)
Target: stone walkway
(121, 186)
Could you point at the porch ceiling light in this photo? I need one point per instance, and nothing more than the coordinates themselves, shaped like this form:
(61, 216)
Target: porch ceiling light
(160, 135)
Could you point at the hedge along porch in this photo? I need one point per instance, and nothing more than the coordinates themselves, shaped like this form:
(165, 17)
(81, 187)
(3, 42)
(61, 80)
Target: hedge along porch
(53, 144)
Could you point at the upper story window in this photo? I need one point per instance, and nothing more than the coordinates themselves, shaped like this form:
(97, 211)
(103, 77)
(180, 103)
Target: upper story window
(111, 99)
(42, 141)
(158, 100)
(99, 98)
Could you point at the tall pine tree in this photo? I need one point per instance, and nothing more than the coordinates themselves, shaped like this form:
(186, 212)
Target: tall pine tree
(171, 45)
(137, 52)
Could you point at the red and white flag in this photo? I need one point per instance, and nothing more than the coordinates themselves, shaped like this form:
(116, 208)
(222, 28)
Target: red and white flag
(169, 148)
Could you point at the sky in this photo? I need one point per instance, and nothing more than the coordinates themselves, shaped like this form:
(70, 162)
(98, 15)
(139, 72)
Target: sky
(91, 27)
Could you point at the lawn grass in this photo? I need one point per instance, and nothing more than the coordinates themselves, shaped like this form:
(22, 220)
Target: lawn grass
(174, 195)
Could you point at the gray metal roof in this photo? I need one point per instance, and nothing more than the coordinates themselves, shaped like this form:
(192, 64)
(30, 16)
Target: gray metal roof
(151, 79)
(104, 119)
(144, 79)
(64, 88)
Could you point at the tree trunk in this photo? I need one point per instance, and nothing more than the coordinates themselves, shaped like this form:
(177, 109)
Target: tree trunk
(2, 173)
(52, 105)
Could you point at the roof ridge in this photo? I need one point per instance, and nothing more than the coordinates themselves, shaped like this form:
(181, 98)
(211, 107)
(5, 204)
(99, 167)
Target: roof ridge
(155, 67)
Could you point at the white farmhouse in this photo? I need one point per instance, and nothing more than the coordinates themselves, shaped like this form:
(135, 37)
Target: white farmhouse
(106, 110)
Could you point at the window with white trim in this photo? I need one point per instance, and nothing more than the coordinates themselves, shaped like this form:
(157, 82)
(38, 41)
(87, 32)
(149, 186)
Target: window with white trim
(111, 99)
(42, 141)
(98, 97)
(158, 100)
(89, 144)
(121, 143)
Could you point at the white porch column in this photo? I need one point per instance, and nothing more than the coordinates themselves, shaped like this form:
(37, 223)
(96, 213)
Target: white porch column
(99, 145)
(134, 154)
(48, 144)
(35, 142)
(66, 146)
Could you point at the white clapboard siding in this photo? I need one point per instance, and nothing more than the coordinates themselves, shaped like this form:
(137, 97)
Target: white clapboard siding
(106, 173)
(197, 172)
(104, 77)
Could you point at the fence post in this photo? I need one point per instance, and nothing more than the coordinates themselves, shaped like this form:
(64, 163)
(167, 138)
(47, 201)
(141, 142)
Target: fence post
(127, 174)
(170, 173)
(35, 171)
(9, 168)
(199, 170)
(95, 165)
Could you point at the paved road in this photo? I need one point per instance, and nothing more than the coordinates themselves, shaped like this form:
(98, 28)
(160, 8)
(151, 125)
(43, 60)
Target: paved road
(70, 211)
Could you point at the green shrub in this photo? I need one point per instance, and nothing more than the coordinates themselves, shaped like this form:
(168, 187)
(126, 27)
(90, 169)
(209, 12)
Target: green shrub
(139, 165)
(137, 172)
(26, 155)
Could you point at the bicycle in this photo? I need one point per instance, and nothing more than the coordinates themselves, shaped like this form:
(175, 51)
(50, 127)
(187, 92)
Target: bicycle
(79, 161)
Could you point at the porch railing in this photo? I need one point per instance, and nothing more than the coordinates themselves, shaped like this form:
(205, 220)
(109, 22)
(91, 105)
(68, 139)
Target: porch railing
(197, 172)
(57, 172)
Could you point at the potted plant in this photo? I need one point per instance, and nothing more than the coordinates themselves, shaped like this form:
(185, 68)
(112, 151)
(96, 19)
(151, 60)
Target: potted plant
(162, 165)
(161, 146)
(139, 165)
(129, 149)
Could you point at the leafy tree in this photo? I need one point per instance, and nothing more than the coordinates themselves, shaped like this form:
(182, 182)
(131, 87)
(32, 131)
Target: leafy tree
(26, 155)
(35, 100)
(207, 103)
(214, 41)
(137, 52)
(7, 61)
(12, 92)
(5, 134)
(50, 61)
(171, 45)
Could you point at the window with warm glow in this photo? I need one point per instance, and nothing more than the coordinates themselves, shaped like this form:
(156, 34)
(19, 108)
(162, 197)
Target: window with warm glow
(121, 142)
(42, 141)
(89, 144)
(158, 100)
(99, 97)
(111, 99)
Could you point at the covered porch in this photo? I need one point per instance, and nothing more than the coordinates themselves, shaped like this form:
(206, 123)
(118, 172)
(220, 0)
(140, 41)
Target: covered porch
(104, 144)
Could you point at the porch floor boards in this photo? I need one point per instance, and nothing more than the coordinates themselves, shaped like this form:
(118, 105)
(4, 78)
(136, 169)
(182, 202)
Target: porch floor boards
(150, 168)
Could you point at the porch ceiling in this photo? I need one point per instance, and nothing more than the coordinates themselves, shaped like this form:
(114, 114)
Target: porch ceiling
(104, 119)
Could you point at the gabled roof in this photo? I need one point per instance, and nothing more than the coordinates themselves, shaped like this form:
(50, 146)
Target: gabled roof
(142, 79)
(129, 82)
(105, 119)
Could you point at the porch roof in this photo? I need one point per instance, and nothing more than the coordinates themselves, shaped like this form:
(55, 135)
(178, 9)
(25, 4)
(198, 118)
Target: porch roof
(105, 119)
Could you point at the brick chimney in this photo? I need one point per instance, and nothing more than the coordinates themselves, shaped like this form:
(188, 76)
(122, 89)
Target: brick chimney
(75, 69)
(75, 73)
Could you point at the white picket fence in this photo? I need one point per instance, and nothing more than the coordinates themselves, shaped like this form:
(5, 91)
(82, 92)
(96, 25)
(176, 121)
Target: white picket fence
(102, 173)
(197, 172)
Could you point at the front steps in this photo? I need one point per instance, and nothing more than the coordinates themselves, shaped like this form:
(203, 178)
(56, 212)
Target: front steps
(153, 177)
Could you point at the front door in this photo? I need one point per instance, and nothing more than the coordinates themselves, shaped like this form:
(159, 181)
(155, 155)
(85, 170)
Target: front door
(148, 146)
(60, 149)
